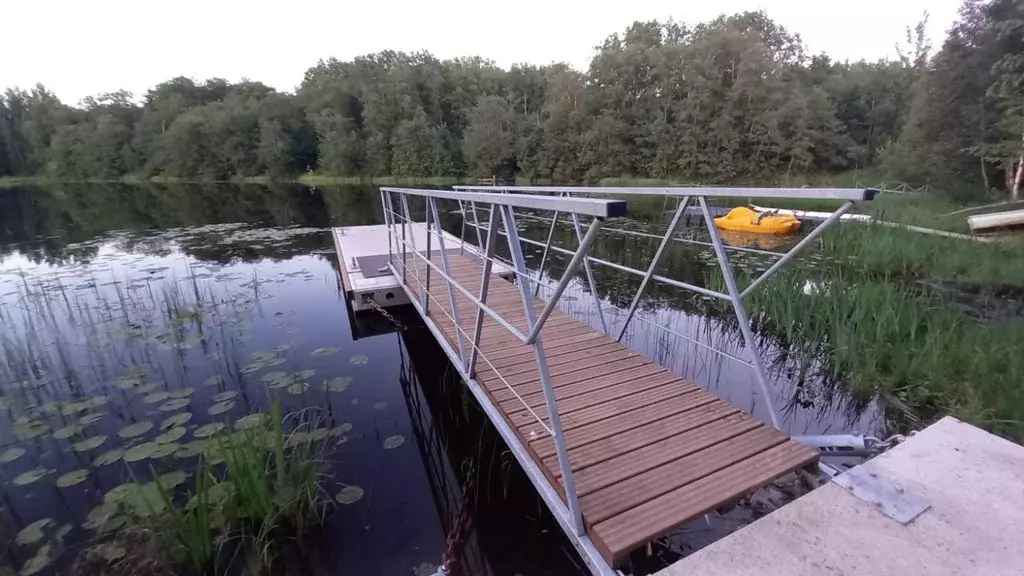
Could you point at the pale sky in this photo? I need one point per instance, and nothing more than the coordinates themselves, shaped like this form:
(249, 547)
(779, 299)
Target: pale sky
(79, 48)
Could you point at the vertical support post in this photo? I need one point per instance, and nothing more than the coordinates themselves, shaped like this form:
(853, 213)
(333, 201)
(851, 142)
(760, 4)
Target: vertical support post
(424, 299)
(741, 312)
(412, 238)
(462, 234)
(589, 273)
(680, 209)
(405, 252)
(544, 255)
(387, 220)
(564, 465)
(432, 206)
(476, 226)
(485, 282)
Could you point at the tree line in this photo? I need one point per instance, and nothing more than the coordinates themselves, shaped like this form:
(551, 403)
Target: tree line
(735, 99)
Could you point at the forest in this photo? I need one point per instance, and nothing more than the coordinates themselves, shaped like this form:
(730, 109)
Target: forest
(734, 100)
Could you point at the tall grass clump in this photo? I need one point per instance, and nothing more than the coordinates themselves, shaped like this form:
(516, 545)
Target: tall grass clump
(901, 341)
(252, 490)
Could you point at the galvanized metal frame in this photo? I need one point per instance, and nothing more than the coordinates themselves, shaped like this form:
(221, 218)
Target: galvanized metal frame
(733, 294)
(502, 205)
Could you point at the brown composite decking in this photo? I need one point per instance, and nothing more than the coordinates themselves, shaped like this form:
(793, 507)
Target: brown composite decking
(649, 450)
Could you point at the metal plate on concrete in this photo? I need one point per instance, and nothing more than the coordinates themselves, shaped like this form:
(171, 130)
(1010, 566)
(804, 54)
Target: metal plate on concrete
(376, 266)
(891, 500)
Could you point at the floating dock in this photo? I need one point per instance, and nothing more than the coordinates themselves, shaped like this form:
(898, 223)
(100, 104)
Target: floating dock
(963, 483)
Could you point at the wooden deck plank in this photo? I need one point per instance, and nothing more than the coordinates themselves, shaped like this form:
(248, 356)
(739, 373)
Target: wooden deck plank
(618, 535)
(639, 437)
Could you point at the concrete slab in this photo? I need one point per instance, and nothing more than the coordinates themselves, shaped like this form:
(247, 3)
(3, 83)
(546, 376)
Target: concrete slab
(973, 481)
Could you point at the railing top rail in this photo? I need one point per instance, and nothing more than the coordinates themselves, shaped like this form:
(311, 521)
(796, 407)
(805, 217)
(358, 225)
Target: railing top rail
(597, 207)
(849, 194)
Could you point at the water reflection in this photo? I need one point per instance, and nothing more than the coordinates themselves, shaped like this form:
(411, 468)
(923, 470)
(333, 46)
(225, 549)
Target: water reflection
(112, 295)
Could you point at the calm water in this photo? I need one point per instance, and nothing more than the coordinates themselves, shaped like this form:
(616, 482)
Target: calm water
(126, 312)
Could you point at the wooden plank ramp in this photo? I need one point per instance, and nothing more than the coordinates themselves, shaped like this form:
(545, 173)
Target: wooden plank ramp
(649, 450)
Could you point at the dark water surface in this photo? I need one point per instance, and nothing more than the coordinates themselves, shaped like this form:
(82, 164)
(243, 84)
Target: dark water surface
(122, 307)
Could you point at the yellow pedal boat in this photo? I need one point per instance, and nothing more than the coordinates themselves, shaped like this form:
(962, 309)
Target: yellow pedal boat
(743, 219)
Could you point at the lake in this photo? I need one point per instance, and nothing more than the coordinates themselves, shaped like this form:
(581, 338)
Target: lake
(137, 321)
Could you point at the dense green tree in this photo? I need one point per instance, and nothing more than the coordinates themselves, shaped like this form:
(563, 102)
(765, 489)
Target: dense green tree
(733, 100)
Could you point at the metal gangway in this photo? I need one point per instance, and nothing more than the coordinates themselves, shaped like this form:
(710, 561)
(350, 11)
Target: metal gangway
(621, 450)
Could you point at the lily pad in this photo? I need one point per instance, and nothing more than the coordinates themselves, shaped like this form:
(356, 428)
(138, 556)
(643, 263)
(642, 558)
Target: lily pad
(72, 478)
(191, 449)
(11, 454)
(104, 518)
(90, 419)
(68, 431)
(183, 393)
(108, 457)
(225, 396)
(298, 388)
(140, 452)
(349, 495)
(176, 420)
(339, 430)
(172, 405)
(43, 558)
(172, 435)
(221, 407)
(208, 430)
(165, 449)
(359, 359)
(214, 381)
(33, 532)
(337, 384)
(27, 429)
(392, 442)
(255, 420)
(156, 397)
(326, 351)
(137, 429)
(172, 479)
(89, 443)
(273, 376)
(304, 374)
(31, 476)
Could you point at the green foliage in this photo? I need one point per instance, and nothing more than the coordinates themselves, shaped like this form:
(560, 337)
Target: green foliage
(733, 100)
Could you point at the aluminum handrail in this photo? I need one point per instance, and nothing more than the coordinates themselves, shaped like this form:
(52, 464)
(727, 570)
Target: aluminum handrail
(848, 194)
(596, 207)
(734, 294)
(501, 209)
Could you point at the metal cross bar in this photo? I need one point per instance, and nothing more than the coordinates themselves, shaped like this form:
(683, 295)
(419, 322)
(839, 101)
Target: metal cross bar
(570, 271)
(432, 207)
(426, 302)
(597, 207)
(547, 247)
(741, 313)
(654, 263)
(796, 249)
(562, 451)
(589, 274)
(485, 281)
(854, 194)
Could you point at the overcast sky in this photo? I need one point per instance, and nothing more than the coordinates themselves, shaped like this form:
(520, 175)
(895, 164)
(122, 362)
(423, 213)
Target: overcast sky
(78, 48)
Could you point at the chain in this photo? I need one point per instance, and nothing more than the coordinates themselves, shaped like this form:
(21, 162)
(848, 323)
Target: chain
(878, 446)
(387, 315)
(457, 532)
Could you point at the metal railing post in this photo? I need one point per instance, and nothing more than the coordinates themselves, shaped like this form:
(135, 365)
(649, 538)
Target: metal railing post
(570, 270)
(589, 272)
(544, 255)
(462, 233)
(741, 312)
(432, 206)
(476, 226)
(424, 299)
(485, 281)
(832, 219)
(680, 209)
(405, 254)
(564, 464)
(412, 236)
(387, 220)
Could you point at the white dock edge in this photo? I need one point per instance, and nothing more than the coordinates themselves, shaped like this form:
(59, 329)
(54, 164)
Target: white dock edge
(973, 481)
(356, 245)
